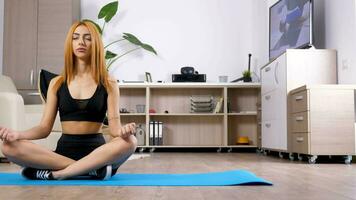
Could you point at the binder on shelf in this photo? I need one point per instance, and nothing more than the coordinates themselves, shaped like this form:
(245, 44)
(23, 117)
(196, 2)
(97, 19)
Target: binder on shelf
(160, 133)
(151, 133)
(156, 133)
(156, 139)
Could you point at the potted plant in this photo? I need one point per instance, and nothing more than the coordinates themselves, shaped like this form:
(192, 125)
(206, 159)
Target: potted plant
(107, 12)
(246, 75)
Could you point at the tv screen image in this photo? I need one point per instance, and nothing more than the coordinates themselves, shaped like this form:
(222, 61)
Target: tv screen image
(290, 26)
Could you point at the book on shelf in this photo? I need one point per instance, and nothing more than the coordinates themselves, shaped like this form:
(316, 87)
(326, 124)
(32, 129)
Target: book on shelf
(156, 133)
(219, 105)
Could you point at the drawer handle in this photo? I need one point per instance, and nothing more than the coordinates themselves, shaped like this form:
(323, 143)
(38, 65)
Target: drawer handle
(31, 77)
(299, 118)
(268, 97)
(267, 69)
(298, 98)
(268, 125)
(300, 139)
(33, 94)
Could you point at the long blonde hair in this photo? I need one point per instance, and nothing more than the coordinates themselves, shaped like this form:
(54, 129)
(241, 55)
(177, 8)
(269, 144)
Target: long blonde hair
(97, 57)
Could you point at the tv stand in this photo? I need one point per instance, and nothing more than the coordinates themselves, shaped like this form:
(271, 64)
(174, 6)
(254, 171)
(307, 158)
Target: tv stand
(294, 68)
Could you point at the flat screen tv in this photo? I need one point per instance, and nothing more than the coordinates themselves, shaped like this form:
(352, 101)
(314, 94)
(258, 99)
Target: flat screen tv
(290, 26)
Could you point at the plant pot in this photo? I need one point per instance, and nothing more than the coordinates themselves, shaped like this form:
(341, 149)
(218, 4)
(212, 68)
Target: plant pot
(247, 79)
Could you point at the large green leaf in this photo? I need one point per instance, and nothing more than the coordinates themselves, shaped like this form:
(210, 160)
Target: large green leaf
(108, 11)
(96, 25)
(134, 40)
(149, 48)
(109, 55)
(131, 38)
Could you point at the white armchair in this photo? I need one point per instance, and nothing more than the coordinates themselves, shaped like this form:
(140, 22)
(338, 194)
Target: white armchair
(17, 116)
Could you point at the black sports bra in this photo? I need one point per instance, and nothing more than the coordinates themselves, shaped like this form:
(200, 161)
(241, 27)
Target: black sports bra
(92, 109)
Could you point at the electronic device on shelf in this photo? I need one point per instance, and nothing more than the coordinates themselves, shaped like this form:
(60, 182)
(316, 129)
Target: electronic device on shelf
(188, 74)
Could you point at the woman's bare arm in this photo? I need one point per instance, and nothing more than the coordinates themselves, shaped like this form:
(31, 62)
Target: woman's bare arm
(115, 127)
(49, 115)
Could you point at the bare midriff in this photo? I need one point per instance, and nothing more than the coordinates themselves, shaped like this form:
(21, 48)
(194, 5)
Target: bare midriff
(81, 127)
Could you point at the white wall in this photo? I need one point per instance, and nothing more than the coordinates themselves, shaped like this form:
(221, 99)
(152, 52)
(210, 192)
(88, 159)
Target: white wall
(340, 34)
(260, 29)
(1, 31)
(214, 36)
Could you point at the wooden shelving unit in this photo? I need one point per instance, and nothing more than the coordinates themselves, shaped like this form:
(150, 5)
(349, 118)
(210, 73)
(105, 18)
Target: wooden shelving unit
(183, 129)
(187, 114)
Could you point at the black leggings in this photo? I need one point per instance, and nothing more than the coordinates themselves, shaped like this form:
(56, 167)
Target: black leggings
(79, 146)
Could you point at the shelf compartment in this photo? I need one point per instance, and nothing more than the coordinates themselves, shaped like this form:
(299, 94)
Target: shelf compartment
(244, 113)
(130, 97)
(132, 114)
(177, 100)
(242, 146)
(186, 114)
(242, 99)
(242, 126)
(210, 146)
(191, 131)
(138, 119)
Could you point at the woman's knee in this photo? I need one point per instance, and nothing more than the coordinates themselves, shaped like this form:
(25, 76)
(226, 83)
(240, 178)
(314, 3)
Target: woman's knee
(10, 149)
(129, 143)
(133, 143)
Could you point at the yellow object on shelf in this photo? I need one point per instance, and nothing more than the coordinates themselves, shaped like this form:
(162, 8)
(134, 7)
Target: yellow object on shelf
(242, 140)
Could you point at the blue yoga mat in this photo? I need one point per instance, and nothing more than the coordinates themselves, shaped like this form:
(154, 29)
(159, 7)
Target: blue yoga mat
(225, 178)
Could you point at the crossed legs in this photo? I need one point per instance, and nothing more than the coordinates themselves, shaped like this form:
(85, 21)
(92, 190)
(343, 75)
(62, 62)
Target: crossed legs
(26, 153)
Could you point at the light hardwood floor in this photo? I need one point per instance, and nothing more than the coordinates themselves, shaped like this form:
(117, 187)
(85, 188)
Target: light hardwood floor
(292, 180)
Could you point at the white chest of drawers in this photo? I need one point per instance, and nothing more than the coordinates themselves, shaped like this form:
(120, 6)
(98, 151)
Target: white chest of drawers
(292, 69)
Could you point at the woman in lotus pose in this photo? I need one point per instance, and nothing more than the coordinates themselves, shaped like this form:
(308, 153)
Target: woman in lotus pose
(83, 94)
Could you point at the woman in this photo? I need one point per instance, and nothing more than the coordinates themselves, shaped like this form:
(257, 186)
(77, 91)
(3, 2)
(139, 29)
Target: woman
(83, 94)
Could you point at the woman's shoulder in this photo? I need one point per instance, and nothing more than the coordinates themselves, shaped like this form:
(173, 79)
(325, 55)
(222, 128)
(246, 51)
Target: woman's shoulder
(56, 82)
(111, 79)
(112, 84)
(57, 78)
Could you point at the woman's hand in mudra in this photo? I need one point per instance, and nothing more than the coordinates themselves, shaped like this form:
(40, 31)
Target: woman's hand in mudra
(127, 130)
(8, 135)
